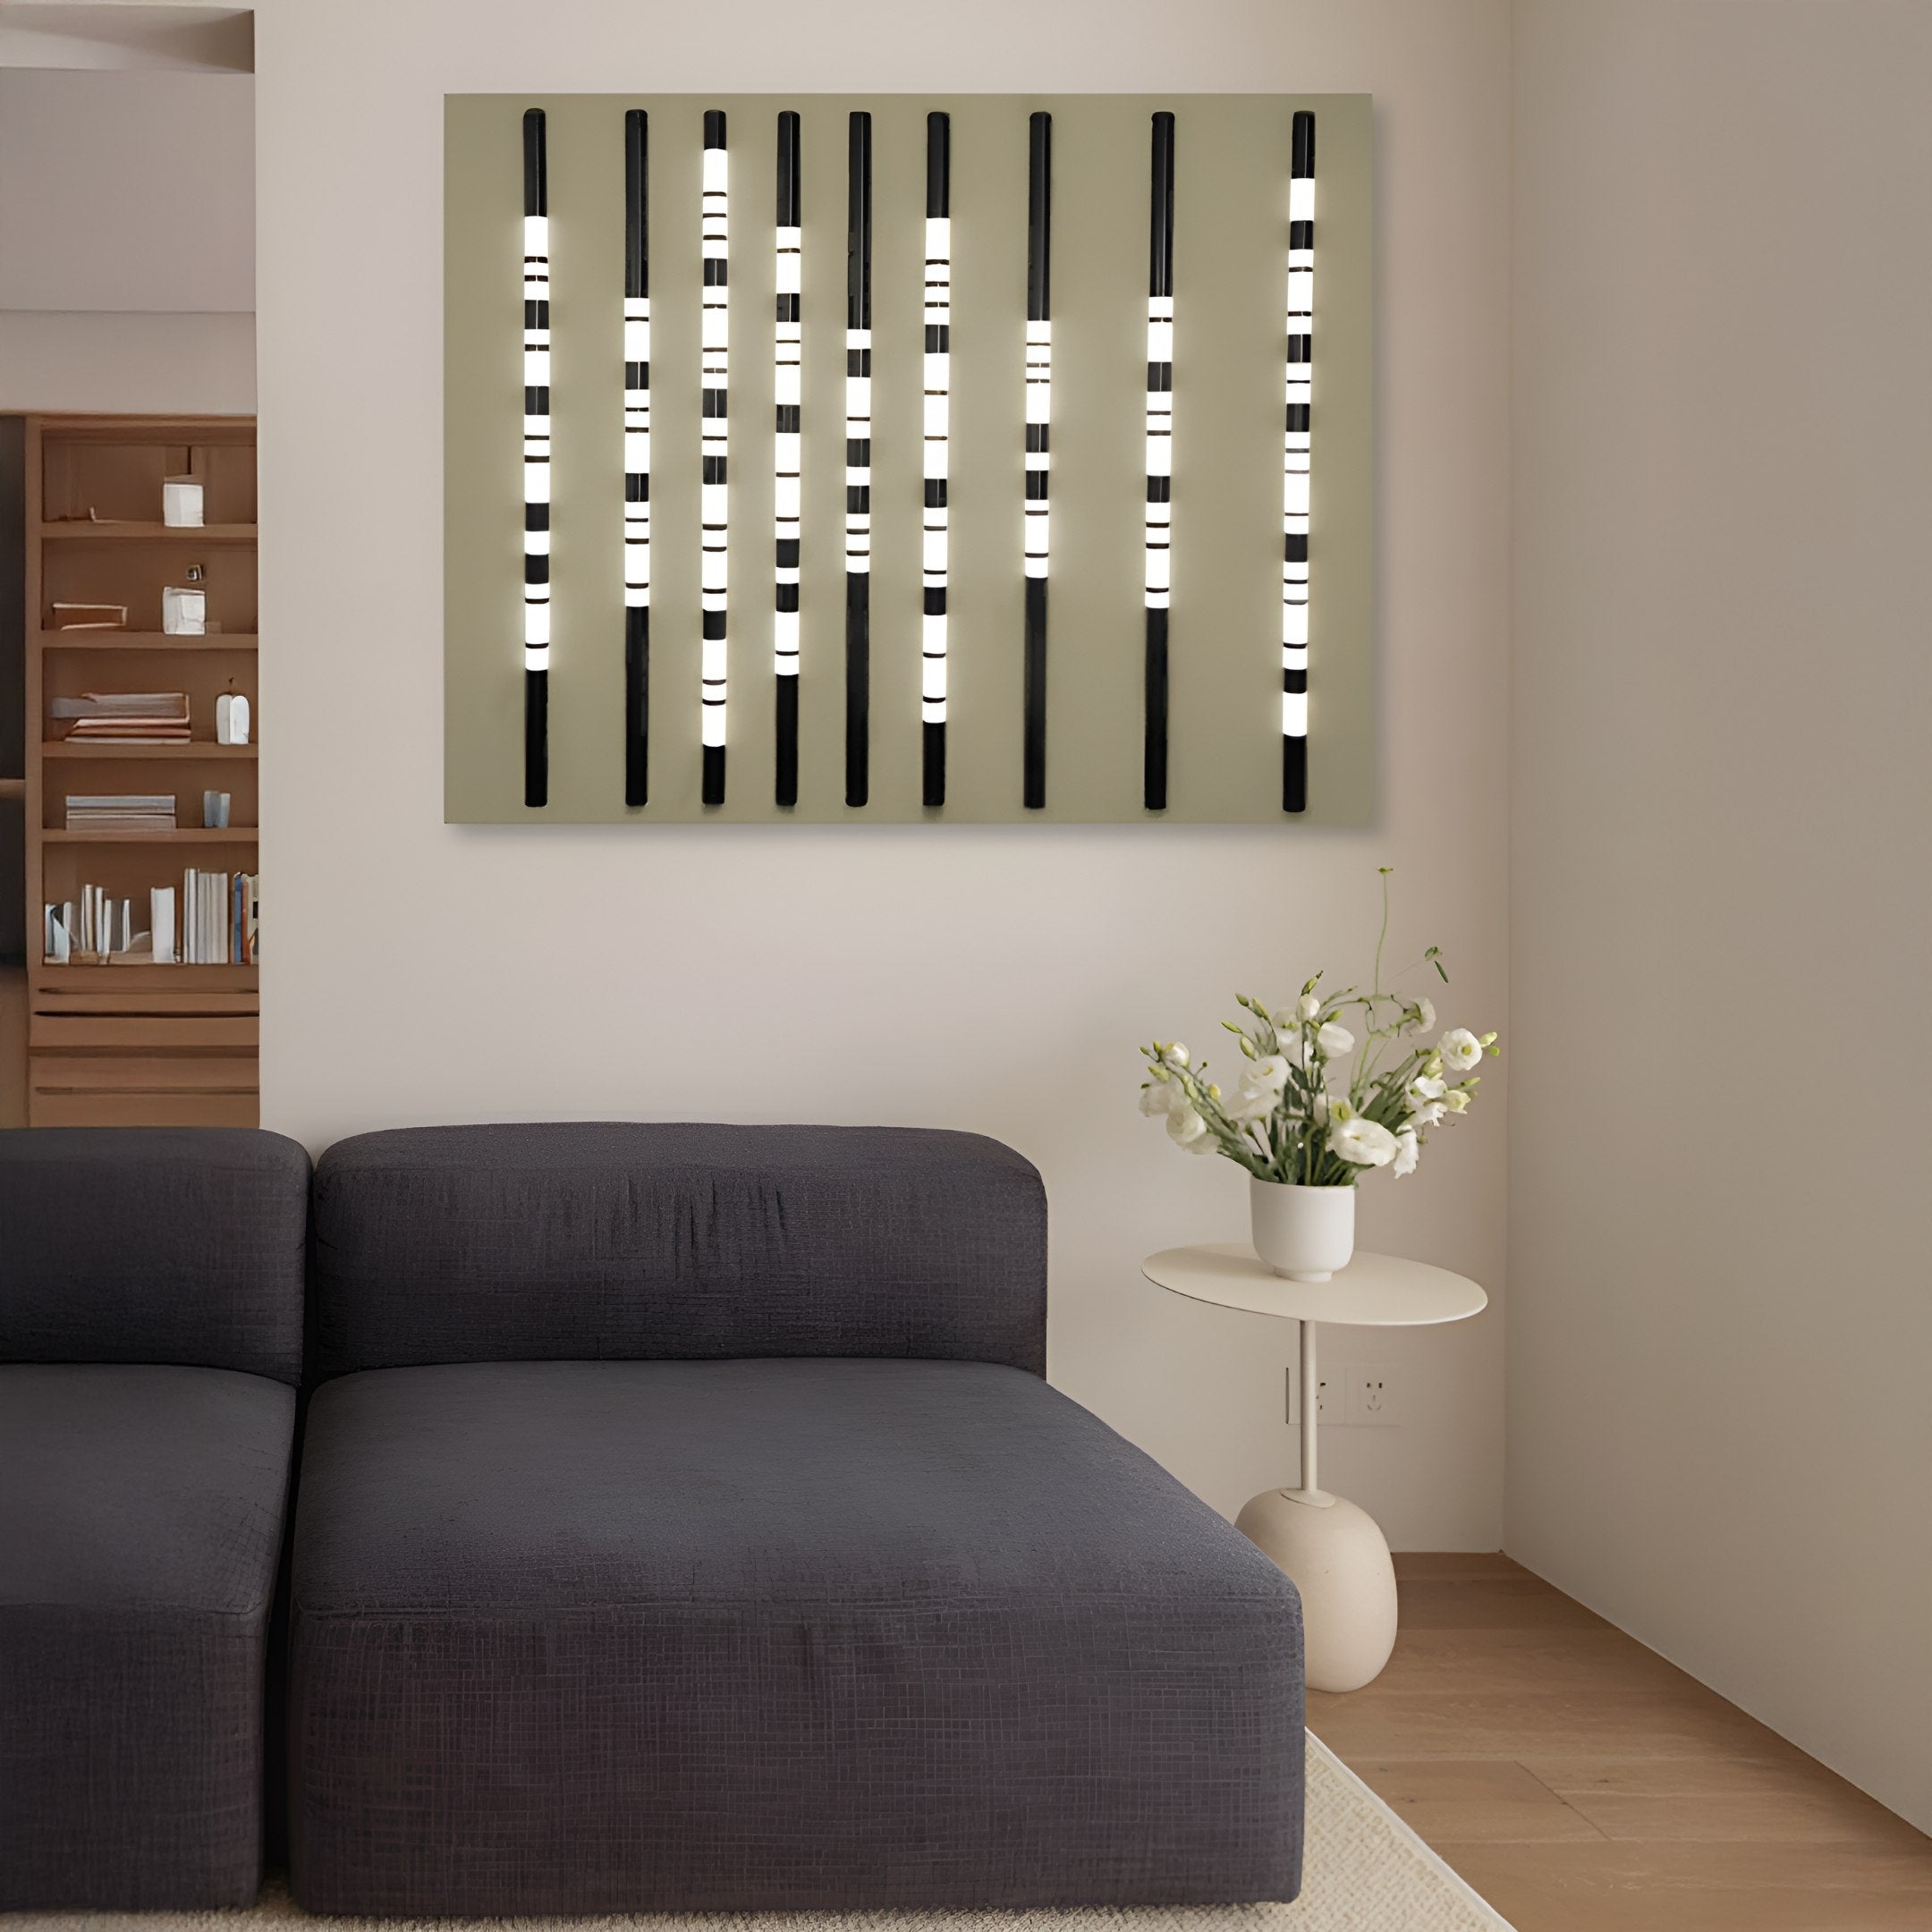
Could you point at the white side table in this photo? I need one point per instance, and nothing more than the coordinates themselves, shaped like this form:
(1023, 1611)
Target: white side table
(1337, 1556)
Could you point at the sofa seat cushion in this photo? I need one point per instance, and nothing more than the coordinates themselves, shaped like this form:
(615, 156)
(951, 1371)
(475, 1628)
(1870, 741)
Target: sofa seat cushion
(141, 1524)
(575, 1637)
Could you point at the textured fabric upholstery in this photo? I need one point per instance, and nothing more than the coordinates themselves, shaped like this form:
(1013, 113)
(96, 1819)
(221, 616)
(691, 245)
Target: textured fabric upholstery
(140, 1520)
(153, 1244)
(604, 1241)
(575, 1637)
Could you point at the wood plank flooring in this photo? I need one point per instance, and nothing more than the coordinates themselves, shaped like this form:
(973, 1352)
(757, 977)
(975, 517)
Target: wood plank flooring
(1582, 1784)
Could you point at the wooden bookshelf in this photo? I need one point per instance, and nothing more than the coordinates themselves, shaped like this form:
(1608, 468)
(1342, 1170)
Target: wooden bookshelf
(137, 1044)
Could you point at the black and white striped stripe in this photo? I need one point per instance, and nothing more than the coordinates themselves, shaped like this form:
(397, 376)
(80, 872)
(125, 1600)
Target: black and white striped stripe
(1159, 457)
(536, 461)
(788, 353)
(1296, 463)
(715, 444)
(859, 460)
(938, 431)
(1038, 459)
(636, 457)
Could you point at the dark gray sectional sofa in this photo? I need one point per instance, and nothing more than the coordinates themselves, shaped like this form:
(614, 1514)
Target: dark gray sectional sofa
(685, 1523)
(150, 1342)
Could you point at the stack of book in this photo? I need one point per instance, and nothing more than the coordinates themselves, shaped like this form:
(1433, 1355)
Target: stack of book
(124, 718)
(220, 924)
(113, 812)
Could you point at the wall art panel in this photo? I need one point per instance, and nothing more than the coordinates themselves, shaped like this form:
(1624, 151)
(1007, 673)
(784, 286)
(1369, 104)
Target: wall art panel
(889, 459)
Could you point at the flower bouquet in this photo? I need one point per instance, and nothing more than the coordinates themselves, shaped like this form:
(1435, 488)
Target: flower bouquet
(1304, 1123)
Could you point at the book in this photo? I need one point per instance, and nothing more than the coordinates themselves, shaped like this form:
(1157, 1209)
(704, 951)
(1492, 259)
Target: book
(161, 923)
(89, 616)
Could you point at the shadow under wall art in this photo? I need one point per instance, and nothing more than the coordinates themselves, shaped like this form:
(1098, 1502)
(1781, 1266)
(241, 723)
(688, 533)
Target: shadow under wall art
(988, 459)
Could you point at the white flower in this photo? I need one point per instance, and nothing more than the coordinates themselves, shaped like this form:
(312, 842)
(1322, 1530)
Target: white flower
(1319, 1109)
(1365, 1142)
(1421, 1015)
(1184, 1124)
(1428, 1114)
(1460, 1049)
(1269, 1072)
(1295, 1047)
(1205, 1143)
(1422, 1089)
(1308, 1006)
(1456, 1102)
(1158, 1096)
(1261, 1083)
(1172, 1053)
(1335, 1040)
(1408, 1152)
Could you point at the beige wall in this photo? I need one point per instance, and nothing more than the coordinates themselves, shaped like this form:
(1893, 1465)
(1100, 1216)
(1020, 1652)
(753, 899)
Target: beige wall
(995, 978)
(1721, 1318)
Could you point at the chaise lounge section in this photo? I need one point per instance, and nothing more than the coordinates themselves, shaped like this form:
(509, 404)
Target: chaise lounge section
(686, 1525)
(150, 1342)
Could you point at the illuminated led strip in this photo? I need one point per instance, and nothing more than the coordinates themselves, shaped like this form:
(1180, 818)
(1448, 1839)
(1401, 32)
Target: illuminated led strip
(938, 320)
(859, 460)
(1296, 464)
(536, 463)
(1159, 457)
(636, 457)
(1038, 422)
(787, 358)
(715, 444)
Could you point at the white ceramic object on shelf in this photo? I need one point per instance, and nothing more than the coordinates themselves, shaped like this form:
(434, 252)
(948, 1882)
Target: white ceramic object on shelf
(231, 719)
(1304, 1233)
(181, 502)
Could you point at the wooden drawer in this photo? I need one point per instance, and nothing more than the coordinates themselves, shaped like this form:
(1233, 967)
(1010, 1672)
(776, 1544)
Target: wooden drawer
(131, 1090)
(143, 1033)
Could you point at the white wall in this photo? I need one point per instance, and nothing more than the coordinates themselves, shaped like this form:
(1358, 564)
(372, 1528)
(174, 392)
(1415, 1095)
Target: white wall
(127, 229)
(987, 978)
(1721, 1327)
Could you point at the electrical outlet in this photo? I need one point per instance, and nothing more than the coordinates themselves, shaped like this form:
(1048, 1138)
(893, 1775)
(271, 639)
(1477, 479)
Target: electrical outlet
(1374, 1399)
(1328, 1398)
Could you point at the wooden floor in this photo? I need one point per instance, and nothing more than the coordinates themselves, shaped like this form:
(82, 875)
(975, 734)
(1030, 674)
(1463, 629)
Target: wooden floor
(1582, 1784)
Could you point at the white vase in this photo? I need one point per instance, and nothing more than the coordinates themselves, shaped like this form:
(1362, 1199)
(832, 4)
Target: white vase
(1304, 1233)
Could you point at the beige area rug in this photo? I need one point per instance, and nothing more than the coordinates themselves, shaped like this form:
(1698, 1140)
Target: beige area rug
(1364, 1871)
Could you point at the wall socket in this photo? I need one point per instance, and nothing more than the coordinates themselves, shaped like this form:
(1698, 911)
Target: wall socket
(1373, 1397)
(1327, 1396)
(1366, 1395)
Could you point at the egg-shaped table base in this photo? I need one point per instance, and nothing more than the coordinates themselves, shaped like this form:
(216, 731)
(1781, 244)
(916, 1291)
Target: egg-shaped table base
(1340, 1562)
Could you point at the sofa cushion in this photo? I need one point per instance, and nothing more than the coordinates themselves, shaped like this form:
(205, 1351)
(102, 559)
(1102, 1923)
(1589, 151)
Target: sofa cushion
(141, 1522)
(153, 1244)
(575, 1636)
(609, 1242)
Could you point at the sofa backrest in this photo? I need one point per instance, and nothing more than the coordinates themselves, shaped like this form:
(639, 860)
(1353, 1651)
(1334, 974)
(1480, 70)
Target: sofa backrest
(153, 1244)
(614, 1241)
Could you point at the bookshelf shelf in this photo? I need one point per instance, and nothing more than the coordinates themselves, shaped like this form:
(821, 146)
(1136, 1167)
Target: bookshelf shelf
(196, 749)
(78, 529)
(13, 788)
(137, 1044)
(182, 835)
(156, 641)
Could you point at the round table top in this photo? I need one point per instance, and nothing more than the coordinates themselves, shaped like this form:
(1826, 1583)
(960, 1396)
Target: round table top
(1373, 1291)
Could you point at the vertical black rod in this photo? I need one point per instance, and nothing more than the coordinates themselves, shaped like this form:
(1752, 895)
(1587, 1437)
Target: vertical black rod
(935, 489)
(859, 459)
(1159, 488)
(1295, 543)
(788, 422)
(637, 483)
(1038, 447)
(717, 403)
(535, 515)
